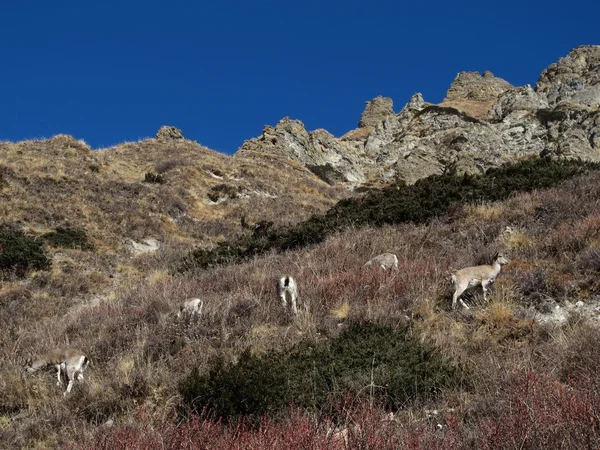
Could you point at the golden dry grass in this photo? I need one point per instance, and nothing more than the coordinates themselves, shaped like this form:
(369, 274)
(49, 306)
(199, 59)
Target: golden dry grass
(474, 108)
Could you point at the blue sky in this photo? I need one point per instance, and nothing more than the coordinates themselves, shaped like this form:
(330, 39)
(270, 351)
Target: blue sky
(115, 71)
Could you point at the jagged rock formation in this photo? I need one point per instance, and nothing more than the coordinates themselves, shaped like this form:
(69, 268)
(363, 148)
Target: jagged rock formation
(574, 78)
(517, 99)
(166, 133)
(318, 148)
(483, 122)
(473, 86)
(376, 111)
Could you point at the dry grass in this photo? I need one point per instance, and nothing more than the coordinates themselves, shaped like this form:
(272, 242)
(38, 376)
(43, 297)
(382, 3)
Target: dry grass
(474, 108)
(61, 182)
(140, 351)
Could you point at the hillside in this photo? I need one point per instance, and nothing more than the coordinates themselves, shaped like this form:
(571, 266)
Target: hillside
(201, 199)
(98, 246)
(140, 354)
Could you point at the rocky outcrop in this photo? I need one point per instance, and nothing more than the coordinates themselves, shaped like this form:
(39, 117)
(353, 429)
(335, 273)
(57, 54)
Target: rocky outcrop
(473, 86)
(166, 133)
(517, 100)
(483, 122)
(575, 78)
(290, 139)
(376, 111)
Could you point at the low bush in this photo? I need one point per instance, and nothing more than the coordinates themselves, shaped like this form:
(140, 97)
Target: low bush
(327, 173)
(20, 252)
(368, 360)
(223, 190)
(151, 177)
(66, 237)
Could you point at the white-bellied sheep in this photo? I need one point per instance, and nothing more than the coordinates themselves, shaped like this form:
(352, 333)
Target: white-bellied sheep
(386, 261)
(287, 290)
(70, 361)
(191, 307)
(474, 276)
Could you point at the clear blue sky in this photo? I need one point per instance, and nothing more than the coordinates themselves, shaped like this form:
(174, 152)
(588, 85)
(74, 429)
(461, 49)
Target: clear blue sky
(114, 71)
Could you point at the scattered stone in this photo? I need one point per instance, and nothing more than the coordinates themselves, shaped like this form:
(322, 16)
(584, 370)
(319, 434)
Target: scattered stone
(148, 245)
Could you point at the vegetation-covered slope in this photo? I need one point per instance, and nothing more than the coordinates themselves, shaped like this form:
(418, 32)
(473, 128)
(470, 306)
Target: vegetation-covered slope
(141, 354)
(111, 200)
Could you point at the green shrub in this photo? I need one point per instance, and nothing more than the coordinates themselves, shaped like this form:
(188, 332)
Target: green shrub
(95, 168)
(367, 360)
(428, 198)
(154, 178)
(223, 190)
(550, 115)
(20, 252)
(327, 173)
(68, 238)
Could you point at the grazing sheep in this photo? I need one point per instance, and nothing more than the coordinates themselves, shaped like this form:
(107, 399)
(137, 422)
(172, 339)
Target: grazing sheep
(287, 290)
(474, 276)
(386, 261)
(191, 307)
(71, 361)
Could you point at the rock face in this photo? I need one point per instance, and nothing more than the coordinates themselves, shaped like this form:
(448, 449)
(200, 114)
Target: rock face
(483, 122)
(318, 148)
(376, 111)
(575, 78)
(166, 133)
(517, 99)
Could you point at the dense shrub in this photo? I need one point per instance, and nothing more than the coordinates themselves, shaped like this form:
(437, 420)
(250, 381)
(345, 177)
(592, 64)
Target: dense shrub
(151, 177)
(20, 252)
(427, 198)
(327, 173)
(68, 238)
(367, 360)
